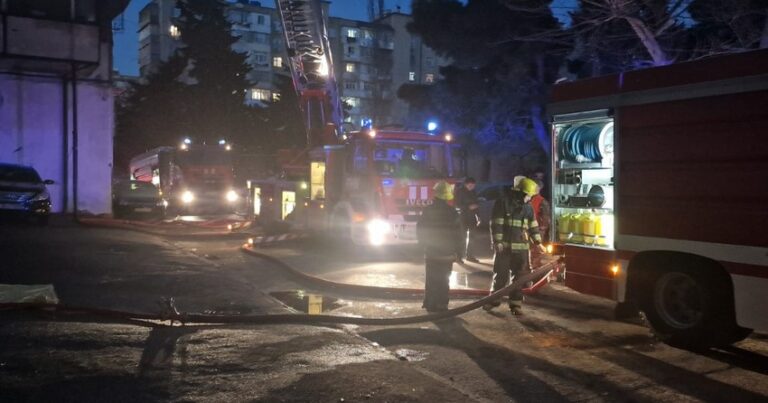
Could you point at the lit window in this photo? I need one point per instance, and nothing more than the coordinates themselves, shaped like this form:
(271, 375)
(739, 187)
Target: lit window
(174, 32)
(277, 61)
(275, 96)
(412, 76)
(258, 94)
(352, 102)
(350, 67)
(352, 33)
(429, 78)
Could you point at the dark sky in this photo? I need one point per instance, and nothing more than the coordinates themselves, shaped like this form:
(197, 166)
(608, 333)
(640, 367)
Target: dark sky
(127, 41)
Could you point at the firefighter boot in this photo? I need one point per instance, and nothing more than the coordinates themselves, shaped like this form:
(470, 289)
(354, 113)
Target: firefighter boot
(516, 307)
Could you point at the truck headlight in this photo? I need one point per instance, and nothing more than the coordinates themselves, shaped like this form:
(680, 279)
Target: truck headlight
(187, 196)
(232, 196)
(377, 230)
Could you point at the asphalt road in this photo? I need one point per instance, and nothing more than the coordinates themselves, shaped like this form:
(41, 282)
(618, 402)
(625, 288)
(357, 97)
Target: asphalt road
(566, 348)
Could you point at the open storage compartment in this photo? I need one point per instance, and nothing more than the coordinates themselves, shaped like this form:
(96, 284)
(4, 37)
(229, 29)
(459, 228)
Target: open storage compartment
(583, 188)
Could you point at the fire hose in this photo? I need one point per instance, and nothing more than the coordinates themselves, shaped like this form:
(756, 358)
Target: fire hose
(172, 315)
(391, 291)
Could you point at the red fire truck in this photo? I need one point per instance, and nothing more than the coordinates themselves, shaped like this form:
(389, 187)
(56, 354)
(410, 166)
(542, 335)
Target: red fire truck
(192, 178)
(367, 186)
(660, 193)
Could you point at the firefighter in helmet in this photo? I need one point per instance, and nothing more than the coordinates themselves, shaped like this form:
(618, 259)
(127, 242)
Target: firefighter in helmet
(513, 226)
(439, 234)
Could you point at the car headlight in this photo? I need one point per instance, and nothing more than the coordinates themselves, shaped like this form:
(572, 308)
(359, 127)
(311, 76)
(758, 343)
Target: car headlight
(40, 196)
(232, 196)
(377, 230)
(187, 196)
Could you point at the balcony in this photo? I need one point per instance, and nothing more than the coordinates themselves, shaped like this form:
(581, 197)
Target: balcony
(34, 44)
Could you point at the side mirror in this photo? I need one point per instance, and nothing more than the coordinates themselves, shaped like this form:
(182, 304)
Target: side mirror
(49, 182)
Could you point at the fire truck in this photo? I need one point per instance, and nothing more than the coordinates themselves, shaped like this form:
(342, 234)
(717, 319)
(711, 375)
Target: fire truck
(369, 186)
(660, 188)
(193, 178)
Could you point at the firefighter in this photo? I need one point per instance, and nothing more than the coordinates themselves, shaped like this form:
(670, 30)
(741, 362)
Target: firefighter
(542, 213)
(513, 226)
(466, 202)
(439, 233)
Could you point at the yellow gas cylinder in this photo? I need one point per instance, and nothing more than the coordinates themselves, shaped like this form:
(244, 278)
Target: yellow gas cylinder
(576, 229)
(588, 228)
(604, 229)
(563, 226)
(599, 235)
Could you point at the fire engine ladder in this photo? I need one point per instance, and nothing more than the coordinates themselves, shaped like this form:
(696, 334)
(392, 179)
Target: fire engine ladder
(311, 68)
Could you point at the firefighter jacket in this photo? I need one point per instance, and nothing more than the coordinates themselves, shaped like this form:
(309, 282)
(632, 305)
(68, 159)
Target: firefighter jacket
(465, 198)
(513, 222)
(438, 230)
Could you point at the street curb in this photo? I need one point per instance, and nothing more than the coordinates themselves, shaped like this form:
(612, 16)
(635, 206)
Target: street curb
(148, 229)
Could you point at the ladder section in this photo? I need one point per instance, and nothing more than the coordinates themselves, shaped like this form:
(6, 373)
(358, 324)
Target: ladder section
(311, 66)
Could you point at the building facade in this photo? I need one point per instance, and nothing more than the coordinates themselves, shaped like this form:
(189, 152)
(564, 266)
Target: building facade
(56, 100)
(371, 59)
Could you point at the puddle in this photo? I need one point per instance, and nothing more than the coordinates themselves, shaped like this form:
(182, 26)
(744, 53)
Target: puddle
(232, 309)
(307, 302)
(404, 354)
(469, 280)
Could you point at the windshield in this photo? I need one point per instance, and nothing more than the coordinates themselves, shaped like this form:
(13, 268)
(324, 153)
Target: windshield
(410, 160)
(18, 174)
(137, 186)
(204, 156)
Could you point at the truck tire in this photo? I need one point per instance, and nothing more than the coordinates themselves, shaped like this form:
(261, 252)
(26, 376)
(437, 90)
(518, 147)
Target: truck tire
(692, 309)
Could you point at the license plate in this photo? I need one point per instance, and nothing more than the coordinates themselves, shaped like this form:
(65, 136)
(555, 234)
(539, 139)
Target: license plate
(11, 206)
(143, 209)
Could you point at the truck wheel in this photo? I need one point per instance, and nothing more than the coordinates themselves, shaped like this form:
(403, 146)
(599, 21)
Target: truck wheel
(692, 309)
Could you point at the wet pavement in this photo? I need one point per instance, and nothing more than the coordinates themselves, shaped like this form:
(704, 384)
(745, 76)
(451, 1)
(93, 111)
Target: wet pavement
(567, 347)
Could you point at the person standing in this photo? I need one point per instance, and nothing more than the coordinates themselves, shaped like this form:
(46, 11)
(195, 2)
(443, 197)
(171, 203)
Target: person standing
(439, 234)
(542, 212)
(513, 226)
(466, 202)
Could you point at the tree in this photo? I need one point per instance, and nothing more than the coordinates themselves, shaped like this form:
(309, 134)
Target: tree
(494, 92)
(150, 114)
(616, 35)
(199, 92)
(728, 26)
(215, 105)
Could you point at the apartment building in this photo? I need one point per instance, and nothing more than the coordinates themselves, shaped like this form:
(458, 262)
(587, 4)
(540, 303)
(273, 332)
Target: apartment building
(56, 96)
(371, 59)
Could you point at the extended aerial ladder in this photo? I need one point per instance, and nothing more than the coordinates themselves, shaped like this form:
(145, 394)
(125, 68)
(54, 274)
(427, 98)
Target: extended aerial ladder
(311, 67)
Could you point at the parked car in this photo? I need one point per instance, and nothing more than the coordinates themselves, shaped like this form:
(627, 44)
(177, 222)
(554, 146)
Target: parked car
(23, 193)
(487, 194)
(137, 197)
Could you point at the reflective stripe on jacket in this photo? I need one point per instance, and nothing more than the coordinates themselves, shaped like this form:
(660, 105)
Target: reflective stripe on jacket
(513, 222)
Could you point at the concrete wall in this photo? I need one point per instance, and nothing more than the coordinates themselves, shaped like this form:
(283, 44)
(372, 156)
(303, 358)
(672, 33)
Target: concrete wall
(33, 130)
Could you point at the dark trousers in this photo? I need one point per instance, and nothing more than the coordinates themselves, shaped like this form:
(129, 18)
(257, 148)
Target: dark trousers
(506, 263)
(438, 273)
(469, 233)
